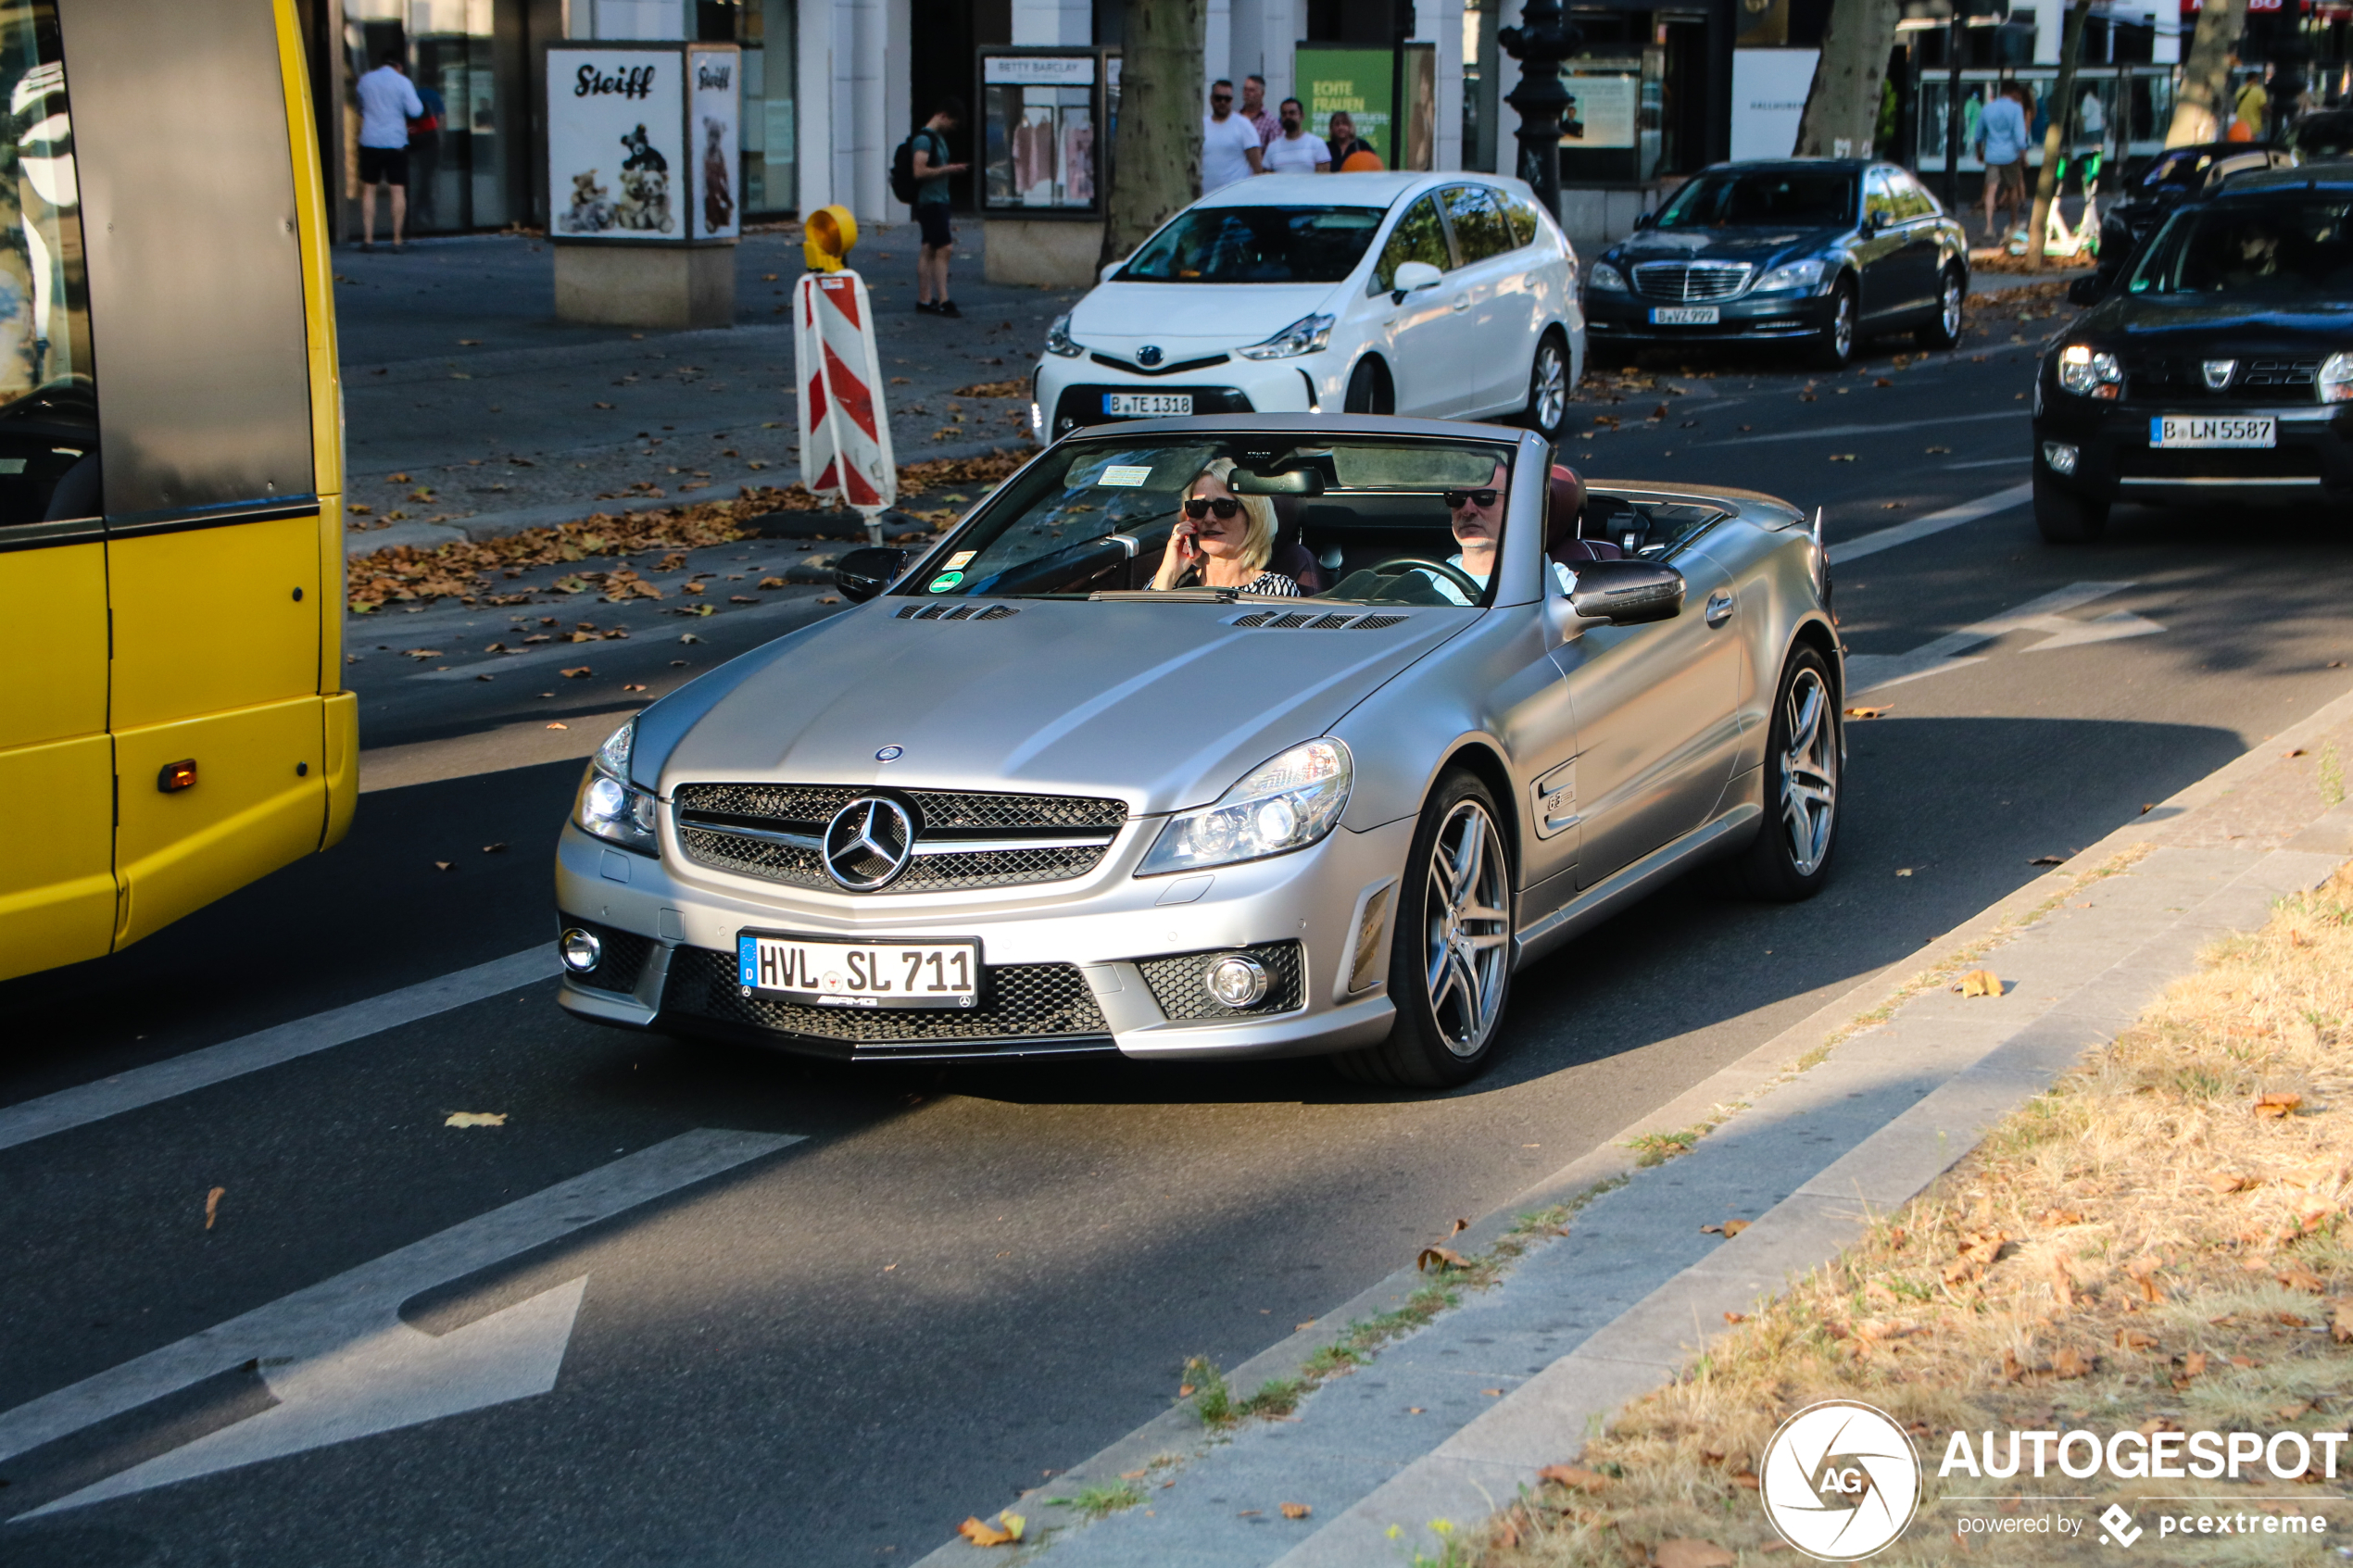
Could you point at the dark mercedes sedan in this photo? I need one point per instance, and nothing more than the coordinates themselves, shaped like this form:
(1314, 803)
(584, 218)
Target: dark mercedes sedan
(1820, 251)
(2220, 370)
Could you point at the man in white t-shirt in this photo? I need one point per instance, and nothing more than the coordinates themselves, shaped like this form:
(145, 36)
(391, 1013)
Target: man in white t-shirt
(388, 102)
(1229, 143)
(1295, 152)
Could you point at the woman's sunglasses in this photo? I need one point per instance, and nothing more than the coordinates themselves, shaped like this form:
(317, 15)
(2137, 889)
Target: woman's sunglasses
(1199, 507)
(1457, 499)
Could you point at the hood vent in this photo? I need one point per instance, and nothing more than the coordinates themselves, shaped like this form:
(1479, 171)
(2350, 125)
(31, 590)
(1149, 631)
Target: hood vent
(957, 612)
(1289, 621)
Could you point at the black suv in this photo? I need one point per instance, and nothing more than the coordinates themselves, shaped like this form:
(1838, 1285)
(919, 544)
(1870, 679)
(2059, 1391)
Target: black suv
(2217, 367)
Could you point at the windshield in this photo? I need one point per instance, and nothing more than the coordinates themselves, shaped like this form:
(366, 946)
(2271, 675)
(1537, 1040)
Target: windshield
(1360, 519)
(1803, 198)
(2293, 249)
(1256, 244)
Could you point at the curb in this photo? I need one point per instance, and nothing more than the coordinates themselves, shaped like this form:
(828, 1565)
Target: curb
(1478, 1467)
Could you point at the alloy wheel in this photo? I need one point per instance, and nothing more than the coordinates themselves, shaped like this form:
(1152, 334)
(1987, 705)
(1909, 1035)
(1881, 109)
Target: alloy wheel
(1810, 771)
(1548, 397)
(1842, 324)
(1469, 911)
(1952, 307)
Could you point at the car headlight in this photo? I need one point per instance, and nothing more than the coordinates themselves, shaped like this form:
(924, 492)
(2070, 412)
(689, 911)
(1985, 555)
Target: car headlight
(1306, 336)
(1805, 274)
(1057, 338)
(1605, 278)
(2335, 380)
(2088, 372)
(1285, 804)
(610, 807)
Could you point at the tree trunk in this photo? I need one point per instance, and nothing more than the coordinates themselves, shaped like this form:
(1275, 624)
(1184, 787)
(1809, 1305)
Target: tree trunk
(2203, 107)
(2058, 141)
(1156, 159)
(1842, 107)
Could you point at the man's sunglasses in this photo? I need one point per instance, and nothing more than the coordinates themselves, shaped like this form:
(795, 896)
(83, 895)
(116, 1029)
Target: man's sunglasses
(1199, 507)
(1220, 97)
(1457, 499)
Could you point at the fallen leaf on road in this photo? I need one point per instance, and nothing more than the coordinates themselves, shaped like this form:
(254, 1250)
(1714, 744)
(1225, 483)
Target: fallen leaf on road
(2134, 1339)
(772, 582)
(2048, 860)
(1902, 871)
(1685, 1552)
(1131, 1475)
(2069, 1365)
(1493, 1393)
(1735, 1317)
(600, 405)
(1883, 382)
(1933, 450)
(1980, 983)
(1733, 1228)
(2296, 1276)
(2341, 1323)
(476, 1119)
(1296, 1511)
(397, 479)
(212, 1205)
(1869, 712)
(422, 653)
(2194, 1364)
(1460, 1226)
(576, 671)
(1842, 457)
(741, 599)
(1440, 1258)
(560, 725)
(2277, 1105)
(441, 865)
(1005, 1532)
(2229, 1182)
(690, 588)
(1576, 1477)
(629, 687)
(494, 848)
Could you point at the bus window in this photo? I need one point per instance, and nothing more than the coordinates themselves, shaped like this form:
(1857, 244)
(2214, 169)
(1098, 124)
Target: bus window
(48, 396)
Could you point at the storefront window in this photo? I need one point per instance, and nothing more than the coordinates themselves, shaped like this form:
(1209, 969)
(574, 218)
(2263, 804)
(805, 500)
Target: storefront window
(1037, 130)
(457, 152)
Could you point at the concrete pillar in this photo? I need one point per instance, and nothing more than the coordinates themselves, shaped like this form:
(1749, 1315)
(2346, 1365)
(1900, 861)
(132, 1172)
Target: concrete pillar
(1218, 49)
(1440, 22)
(813, 62)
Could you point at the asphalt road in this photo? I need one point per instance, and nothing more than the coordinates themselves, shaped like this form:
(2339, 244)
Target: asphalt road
(962, 1278)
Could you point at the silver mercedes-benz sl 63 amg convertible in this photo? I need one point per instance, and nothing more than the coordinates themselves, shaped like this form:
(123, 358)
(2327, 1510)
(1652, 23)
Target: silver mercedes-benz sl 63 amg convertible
(1253, 735)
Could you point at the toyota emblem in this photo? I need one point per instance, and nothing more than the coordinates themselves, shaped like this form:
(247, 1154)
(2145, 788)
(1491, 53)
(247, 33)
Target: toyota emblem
(868, 843)
(1148, 355)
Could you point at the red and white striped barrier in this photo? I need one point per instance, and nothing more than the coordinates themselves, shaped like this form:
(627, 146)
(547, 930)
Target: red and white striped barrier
(845, 430)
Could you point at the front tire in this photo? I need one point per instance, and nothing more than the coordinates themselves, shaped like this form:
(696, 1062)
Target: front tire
(2063, 519)
(1789, 857)
(1368, 389)
(1836, 346)
(1450, 962)
(1548, 389)
(1945, 330)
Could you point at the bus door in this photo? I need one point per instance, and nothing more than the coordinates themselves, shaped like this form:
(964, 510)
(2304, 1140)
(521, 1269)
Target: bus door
(223, 573)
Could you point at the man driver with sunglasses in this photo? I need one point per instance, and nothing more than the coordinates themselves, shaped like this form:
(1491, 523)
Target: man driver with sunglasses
(1478, 519)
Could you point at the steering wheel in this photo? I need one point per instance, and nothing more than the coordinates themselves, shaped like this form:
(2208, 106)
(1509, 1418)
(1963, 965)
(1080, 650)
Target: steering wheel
(1471, 586)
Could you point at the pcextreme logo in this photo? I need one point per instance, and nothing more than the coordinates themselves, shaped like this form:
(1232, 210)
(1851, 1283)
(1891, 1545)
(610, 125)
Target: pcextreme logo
(2117, 1525)
(1839, 1481)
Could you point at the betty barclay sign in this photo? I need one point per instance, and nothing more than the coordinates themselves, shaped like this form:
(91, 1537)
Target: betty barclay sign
(1842, 1481)
(642, 143)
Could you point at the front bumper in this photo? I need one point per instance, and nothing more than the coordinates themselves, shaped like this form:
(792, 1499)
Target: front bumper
(1088, 964)
(1070, 392)
(1626, 318)
(2115, 461)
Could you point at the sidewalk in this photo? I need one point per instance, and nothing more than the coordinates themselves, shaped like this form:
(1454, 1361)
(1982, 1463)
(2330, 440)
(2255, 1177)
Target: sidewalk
(459, 381)
(1848, 1114)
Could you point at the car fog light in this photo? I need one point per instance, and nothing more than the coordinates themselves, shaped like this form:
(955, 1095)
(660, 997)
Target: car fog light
(581, 950)
(2061, 456)
(1237, 981)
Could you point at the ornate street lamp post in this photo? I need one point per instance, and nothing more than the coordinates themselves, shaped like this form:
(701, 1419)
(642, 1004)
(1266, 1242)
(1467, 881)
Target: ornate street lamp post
(1540, 43)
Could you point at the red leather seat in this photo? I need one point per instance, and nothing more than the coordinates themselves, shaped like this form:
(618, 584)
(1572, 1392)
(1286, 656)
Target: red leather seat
(1562, 542)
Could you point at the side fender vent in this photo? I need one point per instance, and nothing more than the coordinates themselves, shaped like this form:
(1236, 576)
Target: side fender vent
(1257, 618)
(1284, 622)
(1376, 623)
(996, 612)
(957, 612)
(1329, 622)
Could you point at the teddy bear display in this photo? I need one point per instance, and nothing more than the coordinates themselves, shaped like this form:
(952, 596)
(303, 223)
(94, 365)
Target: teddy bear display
(590, 212)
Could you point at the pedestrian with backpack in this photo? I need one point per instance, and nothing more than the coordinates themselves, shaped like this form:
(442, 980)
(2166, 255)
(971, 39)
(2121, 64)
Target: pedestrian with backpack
(919, 174)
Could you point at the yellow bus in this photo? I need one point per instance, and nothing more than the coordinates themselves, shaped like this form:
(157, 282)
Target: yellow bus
(172, 724)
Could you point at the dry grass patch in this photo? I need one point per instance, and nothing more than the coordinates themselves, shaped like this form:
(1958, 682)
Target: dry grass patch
(2158, 1242)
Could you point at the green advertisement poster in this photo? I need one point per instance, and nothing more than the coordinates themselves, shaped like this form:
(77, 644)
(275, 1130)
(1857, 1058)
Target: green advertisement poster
(1358, 80)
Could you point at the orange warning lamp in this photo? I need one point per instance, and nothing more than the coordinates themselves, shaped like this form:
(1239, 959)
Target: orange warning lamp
(827, 237)
(174, 777)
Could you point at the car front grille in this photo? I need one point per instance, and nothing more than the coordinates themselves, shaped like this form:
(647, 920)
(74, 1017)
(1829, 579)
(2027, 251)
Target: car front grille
(775, 832)
(2168, 379)
(1020, 1005)
(1178, 981)
(1691, 279)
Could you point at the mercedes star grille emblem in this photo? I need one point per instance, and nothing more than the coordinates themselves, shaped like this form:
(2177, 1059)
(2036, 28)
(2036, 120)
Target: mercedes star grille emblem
(891, 754)
(2218, 372)
(868, 843)
(1148, 355)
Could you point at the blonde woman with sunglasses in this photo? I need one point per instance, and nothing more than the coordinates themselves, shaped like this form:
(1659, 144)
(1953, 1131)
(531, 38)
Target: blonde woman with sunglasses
(1223, 540)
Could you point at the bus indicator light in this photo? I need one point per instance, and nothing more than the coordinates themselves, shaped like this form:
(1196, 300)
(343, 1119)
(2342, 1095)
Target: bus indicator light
(177, 776)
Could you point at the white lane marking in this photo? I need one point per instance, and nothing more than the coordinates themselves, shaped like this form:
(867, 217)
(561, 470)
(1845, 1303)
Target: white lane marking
(352, 1367)
(393, 1377)
(1821, 433)
(1867, 672)
(1843, 552)
(2011, 461)
(85, 1103)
